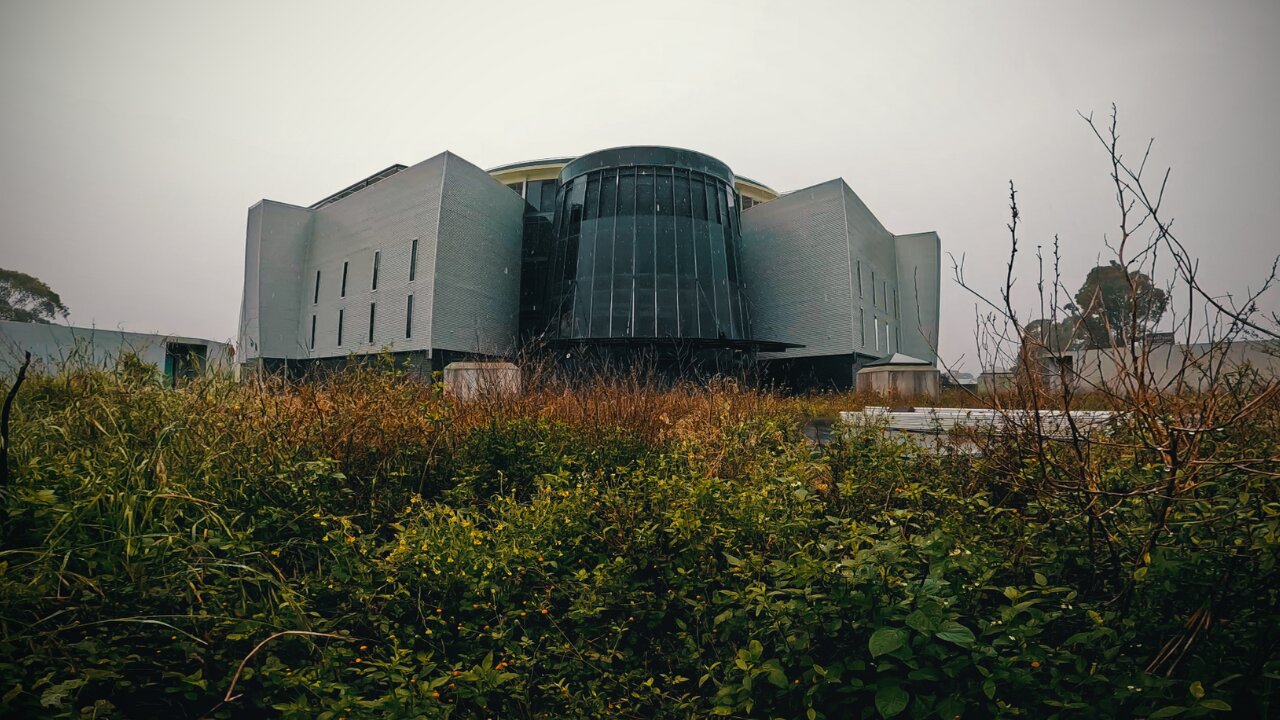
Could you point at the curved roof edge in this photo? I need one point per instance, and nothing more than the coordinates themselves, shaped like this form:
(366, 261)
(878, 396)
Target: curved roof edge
(530, 163)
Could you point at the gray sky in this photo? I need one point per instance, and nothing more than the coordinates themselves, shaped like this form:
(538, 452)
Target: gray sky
(135, 135)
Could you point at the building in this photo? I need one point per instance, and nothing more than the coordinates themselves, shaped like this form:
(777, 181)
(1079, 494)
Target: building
(1167, 366)
(652, 248)
(57, 347)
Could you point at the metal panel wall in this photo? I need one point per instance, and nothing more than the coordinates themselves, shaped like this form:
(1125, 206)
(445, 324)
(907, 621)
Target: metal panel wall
(795, 261)
(476, 307)
(275, 246)
(382, 218)
(919, 281)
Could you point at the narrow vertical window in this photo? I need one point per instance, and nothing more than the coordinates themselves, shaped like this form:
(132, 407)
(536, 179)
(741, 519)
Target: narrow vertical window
(873, 292)
(313, 332)
(344, 279)
(888, 337)
(340, 318)
(862, 326)
(315, 298)
(859, 278)
(372, 310)
(408, 318)
(877, 323)
(413, 260)
(377, 258)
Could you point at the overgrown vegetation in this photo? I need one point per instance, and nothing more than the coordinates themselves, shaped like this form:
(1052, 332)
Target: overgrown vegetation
(365, 547)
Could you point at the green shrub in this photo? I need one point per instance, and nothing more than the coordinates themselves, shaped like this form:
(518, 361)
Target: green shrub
(677, 553)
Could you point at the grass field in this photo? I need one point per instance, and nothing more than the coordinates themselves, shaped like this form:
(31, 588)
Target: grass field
(364, 547)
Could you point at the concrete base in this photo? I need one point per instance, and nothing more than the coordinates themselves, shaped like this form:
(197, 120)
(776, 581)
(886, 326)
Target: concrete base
(467, 381)
(907, 381)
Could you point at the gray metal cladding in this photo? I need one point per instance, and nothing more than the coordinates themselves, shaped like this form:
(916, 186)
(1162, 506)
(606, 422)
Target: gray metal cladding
(383, 218)
(795, 258)
(821, 271)
(476, 305)
(276, 245)
(919, 274)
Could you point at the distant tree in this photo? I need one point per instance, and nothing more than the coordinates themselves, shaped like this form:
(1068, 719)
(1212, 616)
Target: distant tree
(1107, 302)
(28, 299)
(1067, 334)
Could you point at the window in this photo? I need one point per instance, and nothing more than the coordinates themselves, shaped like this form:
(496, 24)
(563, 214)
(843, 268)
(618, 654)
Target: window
(877, 323)
(862, 327)
(313, 332)
(372, 309)
(408, 318)
(859, 278)
(315, 298)
(340, 318)
(874, 303)
(344, 280)
(888, 337)
(377, 260)
(517, 188)
(413, 260)
(548, 199)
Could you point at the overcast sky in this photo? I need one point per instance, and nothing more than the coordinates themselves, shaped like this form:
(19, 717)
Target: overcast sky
(135, 135)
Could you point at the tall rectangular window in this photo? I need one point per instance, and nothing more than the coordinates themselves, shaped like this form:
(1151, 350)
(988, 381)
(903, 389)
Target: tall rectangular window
(344, 279)
(313, 332)
(859, 278)
(877, 324)
(372, 309)
(413, 260)
(408, 318)
(315, 298)
(874, 302)
(377, 258)
(862, 327)
(340, 319)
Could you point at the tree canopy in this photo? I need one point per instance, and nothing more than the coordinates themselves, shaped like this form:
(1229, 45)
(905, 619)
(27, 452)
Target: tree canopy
(1109, 299)
(1103, 313)
(28, 299)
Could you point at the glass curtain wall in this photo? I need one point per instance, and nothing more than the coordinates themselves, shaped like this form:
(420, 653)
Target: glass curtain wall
(646, 252)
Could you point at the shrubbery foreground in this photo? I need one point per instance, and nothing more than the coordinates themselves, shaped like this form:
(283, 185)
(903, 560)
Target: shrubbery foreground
(362, 547)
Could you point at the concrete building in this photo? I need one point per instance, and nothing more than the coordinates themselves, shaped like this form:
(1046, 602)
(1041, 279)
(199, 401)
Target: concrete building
(1168, 366)
(628, 248)
(55, 347)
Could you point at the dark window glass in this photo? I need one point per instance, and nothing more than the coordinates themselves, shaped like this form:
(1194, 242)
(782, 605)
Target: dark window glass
(645, 317)
(627, 193)
(377, 260)
(372, 307)
(344, 279)
(532, 194)
(698, 196)
(719, 273)
(859, 278)
(608, 195)
(313, 332)
(547, 203)
(408, 318)
(623, 265)
(593, 197)
(874, 300)
(316, 297)
(686, 272)
(413, 260)
(517, 188)
(665, 257)
(340, 319)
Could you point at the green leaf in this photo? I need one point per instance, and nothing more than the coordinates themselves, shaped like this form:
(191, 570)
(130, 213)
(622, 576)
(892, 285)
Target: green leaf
(1197, 690)
(1215, 705)
(989, 689)
(919, 622)
(891, 700)
(885, 640)
(955, 632)
(1167, 712)
(1041, 580)
(950, 709)
(811, 713)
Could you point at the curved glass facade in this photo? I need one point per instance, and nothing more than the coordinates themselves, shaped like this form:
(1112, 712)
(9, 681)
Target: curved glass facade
(646, 246)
